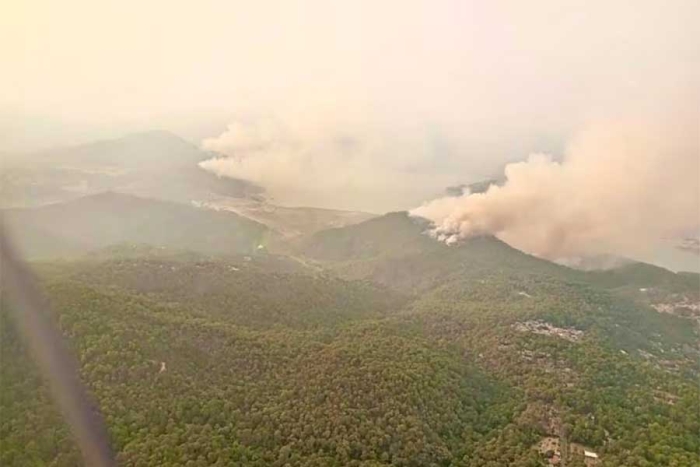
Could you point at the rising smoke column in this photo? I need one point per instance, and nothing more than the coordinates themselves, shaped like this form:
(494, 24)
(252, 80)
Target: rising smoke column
(620, 188)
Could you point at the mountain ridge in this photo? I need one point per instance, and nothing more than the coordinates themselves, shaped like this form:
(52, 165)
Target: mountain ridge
(97, 221)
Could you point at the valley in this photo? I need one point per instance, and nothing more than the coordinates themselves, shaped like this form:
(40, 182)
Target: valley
(370, 344)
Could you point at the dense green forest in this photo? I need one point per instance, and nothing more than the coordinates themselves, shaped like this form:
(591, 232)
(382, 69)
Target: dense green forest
(371, 345)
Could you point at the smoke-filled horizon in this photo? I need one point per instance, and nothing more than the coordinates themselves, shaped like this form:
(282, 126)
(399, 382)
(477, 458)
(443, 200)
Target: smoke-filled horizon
(366, 105)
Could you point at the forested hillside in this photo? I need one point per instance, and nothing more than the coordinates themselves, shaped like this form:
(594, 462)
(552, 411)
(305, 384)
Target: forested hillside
(373, 346)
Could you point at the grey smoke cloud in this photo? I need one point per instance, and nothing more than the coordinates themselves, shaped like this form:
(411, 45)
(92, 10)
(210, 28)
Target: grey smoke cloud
(621, 187)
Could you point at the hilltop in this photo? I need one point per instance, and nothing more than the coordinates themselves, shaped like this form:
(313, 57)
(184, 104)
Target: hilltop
(395, 250)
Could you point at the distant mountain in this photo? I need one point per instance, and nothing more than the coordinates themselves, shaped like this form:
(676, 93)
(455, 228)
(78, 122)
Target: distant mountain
(155, 164)
(93, 222)
(151, 149)
(642, 275)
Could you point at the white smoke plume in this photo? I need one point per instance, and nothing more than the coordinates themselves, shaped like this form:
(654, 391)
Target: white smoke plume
(620, 188)
(322, 160)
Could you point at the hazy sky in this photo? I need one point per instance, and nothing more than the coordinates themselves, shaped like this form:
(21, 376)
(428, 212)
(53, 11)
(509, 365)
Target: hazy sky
(471, 84)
